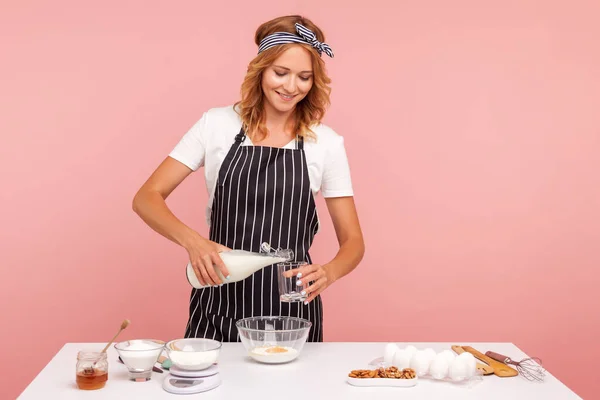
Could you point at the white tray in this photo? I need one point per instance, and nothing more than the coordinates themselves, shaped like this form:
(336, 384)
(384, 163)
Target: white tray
(382, 382)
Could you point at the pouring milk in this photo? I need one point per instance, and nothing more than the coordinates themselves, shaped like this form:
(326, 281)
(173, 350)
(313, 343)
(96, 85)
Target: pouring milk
(242, 264)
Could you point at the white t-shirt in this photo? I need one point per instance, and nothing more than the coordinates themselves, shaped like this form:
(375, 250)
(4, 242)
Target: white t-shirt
(208, 141)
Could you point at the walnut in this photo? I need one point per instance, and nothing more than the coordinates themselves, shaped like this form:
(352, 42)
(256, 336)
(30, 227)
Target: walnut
(389, 373)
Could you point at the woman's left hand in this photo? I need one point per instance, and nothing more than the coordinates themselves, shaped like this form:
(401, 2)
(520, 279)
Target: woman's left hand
(314, 278)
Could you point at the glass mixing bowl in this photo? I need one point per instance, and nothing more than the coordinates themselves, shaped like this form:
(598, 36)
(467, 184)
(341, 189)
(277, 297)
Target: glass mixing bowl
(194, 354)
(273, 340)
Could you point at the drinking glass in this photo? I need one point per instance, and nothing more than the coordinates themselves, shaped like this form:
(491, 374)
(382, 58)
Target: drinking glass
(289, 290)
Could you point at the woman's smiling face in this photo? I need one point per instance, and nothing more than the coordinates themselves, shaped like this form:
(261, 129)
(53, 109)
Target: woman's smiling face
(288, 80)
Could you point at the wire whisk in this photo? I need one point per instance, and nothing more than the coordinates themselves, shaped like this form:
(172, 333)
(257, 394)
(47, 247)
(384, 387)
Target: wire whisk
(530, 368)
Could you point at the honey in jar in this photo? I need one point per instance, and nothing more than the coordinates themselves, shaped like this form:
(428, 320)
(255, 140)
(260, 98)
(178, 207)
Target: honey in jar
(91, 370)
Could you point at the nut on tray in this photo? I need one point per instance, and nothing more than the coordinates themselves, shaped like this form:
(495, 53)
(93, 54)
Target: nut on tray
(390, 373)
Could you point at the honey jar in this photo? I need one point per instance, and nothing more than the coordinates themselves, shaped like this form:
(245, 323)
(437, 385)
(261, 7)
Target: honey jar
(91, 370)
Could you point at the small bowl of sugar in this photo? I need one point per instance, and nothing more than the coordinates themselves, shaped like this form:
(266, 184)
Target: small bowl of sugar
(139, 356)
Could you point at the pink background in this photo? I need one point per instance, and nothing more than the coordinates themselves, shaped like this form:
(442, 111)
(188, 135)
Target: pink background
(472, 128)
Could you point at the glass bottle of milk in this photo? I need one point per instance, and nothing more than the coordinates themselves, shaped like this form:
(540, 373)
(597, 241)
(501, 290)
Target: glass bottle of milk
(242, 264)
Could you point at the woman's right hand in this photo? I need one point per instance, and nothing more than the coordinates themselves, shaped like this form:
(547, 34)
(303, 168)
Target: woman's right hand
(204, 257)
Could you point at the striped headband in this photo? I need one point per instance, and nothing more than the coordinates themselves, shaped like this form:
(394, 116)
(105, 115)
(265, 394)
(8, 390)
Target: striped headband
(305, 35)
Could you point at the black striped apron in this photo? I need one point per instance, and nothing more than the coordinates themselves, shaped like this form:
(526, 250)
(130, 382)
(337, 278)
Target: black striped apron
(262, 194)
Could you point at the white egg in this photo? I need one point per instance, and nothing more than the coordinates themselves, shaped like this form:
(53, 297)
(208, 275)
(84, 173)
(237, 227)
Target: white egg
(439, 367)
(470, 363)
(401, 359)
(458, 369)
(411, 350)
(430, 353)
(388, 353)
(450, 356)
(420, 363)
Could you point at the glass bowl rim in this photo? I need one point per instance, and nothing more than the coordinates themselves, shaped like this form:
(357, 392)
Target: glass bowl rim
(160, 344)
(216, 345)
(306, 322)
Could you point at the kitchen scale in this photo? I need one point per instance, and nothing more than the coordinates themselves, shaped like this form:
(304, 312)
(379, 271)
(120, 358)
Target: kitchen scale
(180, 381)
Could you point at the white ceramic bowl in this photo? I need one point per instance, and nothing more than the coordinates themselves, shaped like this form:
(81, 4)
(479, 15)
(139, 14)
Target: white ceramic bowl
(193, 354)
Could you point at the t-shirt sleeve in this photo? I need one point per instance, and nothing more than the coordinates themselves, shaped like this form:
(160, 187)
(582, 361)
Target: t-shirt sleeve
(336, 180)
(191, 149)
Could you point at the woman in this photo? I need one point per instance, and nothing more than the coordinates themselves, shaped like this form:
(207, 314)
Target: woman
(265, 158)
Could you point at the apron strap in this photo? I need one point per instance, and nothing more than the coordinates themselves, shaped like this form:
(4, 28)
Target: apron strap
(300, 143)
(240, 137)
(227, 161)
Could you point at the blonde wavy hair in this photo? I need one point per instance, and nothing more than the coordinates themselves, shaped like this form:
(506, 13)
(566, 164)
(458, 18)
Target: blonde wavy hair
(310, 110)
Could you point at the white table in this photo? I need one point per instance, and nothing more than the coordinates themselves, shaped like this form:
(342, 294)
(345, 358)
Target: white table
(319, 373)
